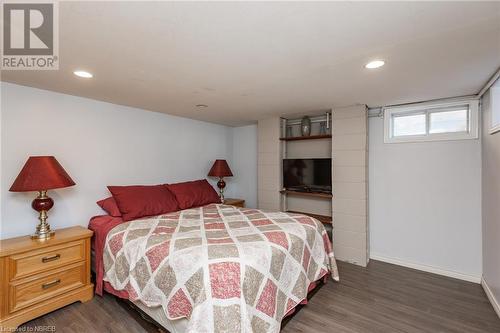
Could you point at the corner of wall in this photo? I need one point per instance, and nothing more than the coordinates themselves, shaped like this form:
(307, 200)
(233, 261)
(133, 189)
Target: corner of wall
(490, 213)
(491, 297)
(1, 158)
(244, 161)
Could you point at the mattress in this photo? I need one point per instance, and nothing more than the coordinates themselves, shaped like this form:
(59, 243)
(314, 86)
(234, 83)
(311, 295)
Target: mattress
(157, 313)
(223, 267)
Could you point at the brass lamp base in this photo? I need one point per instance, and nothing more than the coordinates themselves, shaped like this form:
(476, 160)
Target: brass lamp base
(221, 184)
(42, 204)
(43, 236)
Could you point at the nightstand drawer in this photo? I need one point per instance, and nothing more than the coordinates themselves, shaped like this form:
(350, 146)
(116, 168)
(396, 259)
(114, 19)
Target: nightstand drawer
(38, 261)
(24, 293)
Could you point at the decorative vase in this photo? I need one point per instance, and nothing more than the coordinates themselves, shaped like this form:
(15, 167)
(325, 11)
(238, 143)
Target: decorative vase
(305, 126)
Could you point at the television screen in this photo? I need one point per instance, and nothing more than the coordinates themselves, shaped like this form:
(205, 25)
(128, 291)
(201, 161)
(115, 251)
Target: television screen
(313, 174)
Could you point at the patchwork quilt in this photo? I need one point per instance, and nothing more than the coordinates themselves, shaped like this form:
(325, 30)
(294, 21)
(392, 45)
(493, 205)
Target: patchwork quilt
(226, 269)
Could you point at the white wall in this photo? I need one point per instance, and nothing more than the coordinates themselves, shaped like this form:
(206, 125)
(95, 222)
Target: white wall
(425, 203)
(244, 164)
(491, 201)
(100, 144)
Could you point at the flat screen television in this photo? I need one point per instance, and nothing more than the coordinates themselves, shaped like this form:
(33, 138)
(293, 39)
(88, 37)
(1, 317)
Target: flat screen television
(310, 175)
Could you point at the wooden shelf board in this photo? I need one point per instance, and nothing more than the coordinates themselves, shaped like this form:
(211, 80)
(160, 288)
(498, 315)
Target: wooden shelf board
(325, 219)
(308, 194)
(311, 137)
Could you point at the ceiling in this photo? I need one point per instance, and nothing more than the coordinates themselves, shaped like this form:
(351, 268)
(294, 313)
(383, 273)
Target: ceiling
(252, 60)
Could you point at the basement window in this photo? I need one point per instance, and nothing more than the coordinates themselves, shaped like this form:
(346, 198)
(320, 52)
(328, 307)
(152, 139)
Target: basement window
(431, 122)
(495, 107)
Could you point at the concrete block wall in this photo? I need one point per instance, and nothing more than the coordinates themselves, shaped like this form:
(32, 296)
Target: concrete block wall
(350, 182)
(268, 164)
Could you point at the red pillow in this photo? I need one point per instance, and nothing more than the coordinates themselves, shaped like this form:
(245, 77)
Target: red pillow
(194, 194)
(109, 205)
(143, 200)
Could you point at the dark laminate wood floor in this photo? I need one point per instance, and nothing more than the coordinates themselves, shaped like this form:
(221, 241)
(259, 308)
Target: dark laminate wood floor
(381, 298)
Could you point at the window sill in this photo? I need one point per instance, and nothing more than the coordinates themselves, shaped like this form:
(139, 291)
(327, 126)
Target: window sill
(430, 138)
(495, 129)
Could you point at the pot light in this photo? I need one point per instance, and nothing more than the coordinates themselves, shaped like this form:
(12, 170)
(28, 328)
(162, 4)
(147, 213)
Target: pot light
(83, 74)
(201, 106)
(375, 64)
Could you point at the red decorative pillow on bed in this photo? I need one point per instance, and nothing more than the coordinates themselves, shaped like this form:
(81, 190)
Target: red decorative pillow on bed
(109, 205)
(194, 194)
(143, 200)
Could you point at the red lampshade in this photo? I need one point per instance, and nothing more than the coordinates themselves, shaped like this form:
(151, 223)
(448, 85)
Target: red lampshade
(220, 169)
(41, 173)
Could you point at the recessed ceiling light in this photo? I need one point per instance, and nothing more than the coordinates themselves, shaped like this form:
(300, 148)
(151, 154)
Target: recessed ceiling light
(201, 106)
(375, 64)
(83, 74)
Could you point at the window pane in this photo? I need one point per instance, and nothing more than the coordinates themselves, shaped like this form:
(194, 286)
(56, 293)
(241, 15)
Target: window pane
(495, 105)
(409, 125)
(449, 121)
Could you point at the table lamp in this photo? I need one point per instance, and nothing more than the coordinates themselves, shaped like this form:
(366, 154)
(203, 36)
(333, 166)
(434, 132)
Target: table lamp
(41, 173)
(220, 169)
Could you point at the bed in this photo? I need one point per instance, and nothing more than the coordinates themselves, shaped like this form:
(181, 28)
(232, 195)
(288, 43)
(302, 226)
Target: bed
(215, 268)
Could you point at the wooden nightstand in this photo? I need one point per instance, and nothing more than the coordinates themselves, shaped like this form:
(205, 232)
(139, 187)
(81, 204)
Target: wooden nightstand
(235, 202)
(37, 277)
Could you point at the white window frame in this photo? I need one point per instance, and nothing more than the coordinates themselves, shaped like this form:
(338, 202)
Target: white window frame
(428, 108)
(495, 108)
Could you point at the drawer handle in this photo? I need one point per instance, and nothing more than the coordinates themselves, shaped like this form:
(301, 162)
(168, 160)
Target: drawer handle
(51, 258)
(51, 284)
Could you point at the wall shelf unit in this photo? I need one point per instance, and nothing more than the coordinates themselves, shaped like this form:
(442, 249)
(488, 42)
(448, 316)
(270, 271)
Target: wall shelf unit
(311, 137)
(308, 194)
(295, 146)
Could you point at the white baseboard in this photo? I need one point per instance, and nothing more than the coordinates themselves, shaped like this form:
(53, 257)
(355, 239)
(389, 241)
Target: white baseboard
(491, 297)
(426, 268)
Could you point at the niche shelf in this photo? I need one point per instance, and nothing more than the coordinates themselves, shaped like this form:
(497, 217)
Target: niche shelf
(317, 145)
(311, 137)
(308, 194)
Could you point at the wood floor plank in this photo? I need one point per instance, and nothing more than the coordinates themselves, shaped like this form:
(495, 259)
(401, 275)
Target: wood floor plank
(380, 298)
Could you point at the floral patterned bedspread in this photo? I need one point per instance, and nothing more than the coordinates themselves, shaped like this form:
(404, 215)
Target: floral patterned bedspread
(226, 269)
